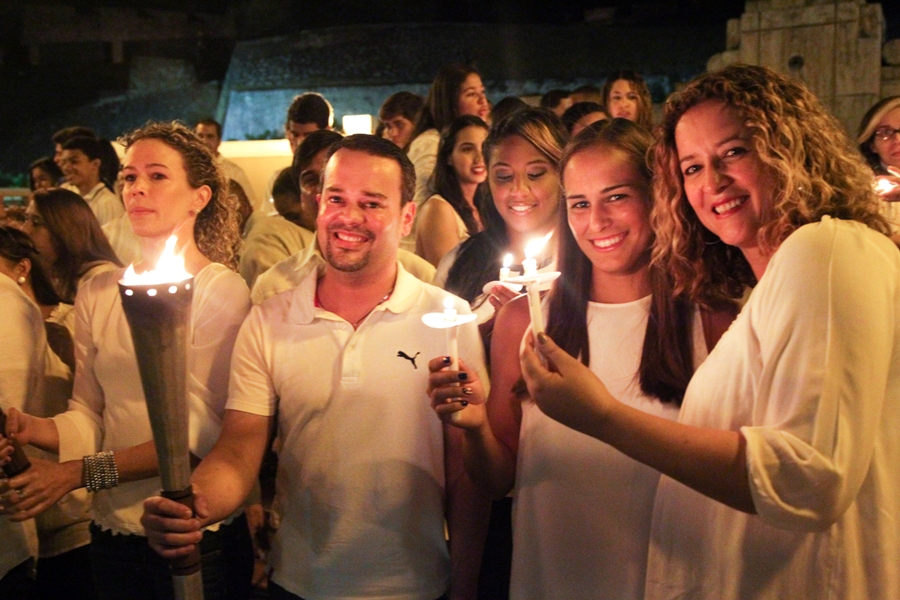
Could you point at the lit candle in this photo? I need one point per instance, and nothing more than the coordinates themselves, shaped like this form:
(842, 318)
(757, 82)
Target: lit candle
(534, 248)
(450, 320)
(883, 186)
(452, 334)
(504, 271)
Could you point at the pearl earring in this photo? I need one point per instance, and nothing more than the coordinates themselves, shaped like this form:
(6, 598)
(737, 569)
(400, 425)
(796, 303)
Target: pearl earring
(21, 280)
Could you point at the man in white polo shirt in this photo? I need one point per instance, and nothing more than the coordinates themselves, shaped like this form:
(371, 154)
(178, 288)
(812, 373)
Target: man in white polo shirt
(339, 365)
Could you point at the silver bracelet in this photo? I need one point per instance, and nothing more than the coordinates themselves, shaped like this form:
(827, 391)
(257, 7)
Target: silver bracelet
(100, 472)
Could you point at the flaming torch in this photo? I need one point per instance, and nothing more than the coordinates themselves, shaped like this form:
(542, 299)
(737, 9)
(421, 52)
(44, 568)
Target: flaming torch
(157, 305)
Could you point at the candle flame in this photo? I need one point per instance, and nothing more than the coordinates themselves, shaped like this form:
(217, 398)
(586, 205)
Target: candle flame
(507, 261)
(534, 247)
(883, 186)
(169, 268)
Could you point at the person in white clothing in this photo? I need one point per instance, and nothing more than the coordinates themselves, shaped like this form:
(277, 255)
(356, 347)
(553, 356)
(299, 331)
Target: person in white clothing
(451, 214)
(82, 159)
(210, 131)
(71, 244)
(582, 510)
(780, 477)
(336, 364)
(171, 186)
(456, 90)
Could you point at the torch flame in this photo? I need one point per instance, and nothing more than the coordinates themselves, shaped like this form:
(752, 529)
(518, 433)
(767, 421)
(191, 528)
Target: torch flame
(534, 247)
(169, 268)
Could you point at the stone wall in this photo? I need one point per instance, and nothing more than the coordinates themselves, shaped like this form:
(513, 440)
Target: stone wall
(834, 47)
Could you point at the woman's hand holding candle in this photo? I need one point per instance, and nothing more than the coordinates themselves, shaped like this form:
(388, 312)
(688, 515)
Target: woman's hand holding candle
(457, 396)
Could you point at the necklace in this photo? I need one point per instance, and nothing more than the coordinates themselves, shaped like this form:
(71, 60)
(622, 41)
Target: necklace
(356, 323)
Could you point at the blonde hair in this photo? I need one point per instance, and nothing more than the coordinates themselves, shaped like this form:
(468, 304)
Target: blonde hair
(217, 228)
(817, 169)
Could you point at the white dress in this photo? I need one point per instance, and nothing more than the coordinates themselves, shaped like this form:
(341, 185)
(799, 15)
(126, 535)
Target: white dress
(582, 509)
(809, 373)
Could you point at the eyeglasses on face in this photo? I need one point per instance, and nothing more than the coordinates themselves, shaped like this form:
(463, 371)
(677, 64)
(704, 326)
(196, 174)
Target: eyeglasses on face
(886, 133)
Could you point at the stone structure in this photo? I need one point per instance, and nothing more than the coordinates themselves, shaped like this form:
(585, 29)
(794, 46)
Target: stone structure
(357, 66)
(835, 47)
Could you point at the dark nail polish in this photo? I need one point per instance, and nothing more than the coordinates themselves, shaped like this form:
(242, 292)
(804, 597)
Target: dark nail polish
(467, 391)
(462, 376)
(446, 360)
(464, 403)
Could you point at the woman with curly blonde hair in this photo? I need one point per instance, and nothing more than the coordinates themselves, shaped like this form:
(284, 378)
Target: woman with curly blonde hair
(779, 480)
(172, 186)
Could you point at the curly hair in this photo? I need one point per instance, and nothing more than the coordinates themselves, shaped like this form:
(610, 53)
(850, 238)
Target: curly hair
(217, 228)
(817, 170)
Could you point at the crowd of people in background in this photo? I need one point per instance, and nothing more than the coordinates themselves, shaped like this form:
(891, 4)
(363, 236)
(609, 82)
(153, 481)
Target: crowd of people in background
(708, 413)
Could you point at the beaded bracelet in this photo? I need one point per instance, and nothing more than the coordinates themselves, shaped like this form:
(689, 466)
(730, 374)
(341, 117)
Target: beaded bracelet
(100, 472)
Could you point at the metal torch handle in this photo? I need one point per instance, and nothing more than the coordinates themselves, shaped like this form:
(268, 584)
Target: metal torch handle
(186, 577)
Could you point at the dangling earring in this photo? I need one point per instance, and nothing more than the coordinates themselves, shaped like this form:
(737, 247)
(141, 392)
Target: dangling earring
(21, 280)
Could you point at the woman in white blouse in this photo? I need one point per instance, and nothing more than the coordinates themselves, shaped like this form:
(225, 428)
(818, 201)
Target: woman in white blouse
(171, 186)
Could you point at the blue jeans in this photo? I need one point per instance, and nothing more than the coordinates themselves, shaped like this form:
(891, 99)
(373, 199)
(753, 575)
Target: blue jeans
(126, 568)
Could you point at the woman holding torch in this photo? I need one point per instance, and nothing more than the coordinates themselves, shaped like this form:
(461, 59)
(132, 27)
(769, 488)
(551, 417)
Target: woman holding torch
(780, 478)
(172, 186)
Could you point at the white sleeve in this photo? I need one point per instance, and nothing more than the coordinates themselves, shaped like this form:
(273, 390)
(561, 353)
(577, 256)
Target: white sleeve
(826, 343)
(81, 426)
(423, 155)
(217, 318)
(21, 363)
(251, 388)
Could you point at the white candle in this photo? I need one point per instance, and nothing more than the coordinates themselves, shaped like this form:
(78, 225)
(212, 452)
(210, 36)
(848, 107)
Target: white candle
(504, 271)
(452, 333)
(534, 308)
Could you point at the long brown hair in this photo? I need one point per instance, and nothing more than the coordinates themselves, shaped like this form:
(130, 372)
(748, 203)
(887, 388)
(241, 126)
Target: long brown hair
(667, 358)
(479, 258)
(818, 172)
(639, 86)
(443, 96)
(217, 230)
(445, 178)
(76, 236)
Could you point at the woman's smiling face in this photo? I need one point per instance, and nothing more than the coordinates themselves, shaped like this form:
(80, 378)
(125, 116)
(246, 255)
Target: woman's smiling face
(524, 185)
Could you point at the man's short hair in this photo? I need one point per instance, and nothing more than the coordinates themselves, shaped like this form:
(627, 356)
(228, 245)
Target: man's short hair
(210, 122)
(90, 146)
(64, 135)
(403, 104)
(311, 145)
(311, 108)
(376, 146)
(285, 191)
